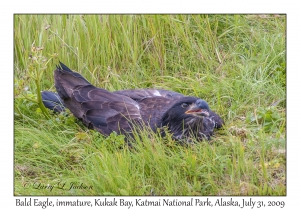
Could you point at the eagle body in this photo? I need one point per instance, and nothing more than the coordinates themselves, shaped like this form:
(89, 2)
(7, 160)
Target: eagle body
(121, 111)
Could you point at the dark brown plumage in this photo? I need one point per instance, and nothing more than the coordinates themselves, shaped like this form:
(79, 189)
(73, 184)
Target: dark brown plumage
(119, 111)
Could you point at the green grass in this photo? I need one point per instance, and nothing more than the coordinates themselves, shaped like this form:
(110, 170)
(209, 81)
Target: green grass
(235, 62)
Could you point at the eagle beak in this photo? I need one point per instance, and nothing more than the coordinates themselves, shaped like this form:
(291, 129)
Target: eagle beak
(195, 110)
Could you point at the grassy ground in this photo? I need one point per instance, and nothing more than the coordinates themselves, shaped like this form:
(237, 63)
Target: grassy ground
(235, 62)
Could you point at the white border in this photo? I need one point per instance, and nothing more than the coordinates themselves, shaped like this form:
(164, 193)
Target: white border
(154, 6)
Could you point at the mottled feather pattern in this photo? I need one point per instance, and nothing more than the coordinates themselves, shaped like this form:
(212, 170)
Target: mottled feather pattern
(119, 111)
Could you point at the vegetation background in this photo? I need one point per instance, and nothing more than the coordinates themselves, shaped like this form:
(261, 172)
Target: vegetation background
(235, 62)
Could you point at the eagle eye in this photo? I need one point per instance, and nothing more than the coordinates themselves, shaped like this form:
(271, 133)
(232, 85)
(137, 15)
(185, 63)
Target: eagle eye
(184, 105)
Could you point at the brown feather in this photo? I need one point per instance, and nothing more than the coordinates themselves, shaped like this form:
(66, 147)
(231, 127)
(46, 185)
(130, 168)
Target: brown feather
(118, 111)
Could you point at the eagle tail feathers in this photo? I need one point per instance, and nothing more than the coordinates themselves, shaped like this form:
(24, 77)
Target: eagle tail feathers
(66, 80)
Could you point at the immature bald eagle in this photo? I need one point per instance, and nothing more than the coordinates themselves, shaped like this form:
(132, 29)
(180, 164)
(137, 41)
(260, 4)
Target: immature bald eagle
(119, 111)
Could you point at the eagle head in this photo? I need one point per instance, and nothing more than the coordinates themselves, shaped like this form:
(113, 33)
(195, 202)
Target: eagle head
(185, 118)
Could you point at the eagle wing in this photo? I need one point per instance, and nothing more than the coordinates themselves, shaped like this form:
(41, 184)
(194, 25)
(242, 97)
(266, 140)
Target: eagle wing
(105, 111)
(156, 102)
(153, 103)
(139, 94)
(98, 108)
